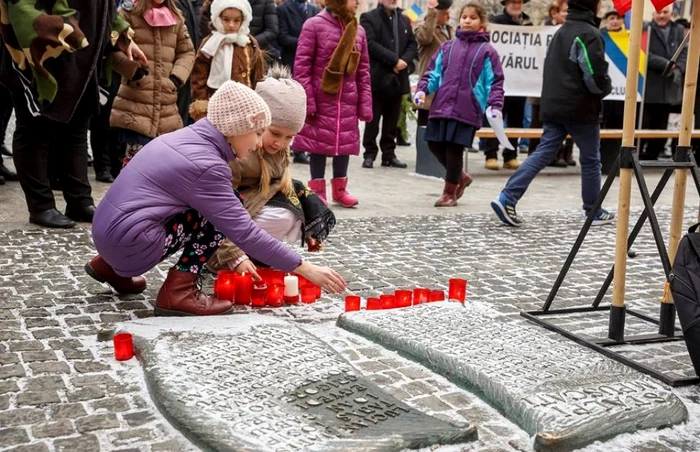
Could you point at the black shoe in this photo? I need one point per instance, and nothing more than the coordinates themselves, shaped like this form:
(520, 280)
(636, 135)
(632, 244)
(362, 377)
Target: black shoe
(51, 218)
(402, 142)
(104, 176)
(368, 163)
(394, 163)
(302, 157)
(2, 180)
(5, 151)
(83, 214)
(7, 174)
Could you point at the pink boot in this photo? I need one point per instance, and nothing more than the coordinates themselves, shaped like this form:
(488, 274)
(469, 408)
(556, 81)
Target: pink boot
(340, 195)
(318, 186)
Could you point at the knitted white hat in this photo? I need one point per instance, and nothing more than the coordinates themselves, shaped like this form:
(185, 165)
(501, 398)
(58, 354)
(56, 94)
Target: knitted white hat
(235, 109)
(285, 97)
(218, 6)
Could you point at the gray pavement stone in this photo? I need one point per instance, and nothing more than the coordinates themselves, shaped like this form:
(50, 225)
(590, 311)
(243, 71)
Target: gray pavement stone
(53, 429)
(35, 447)
(68, 411)
(13, 436)
(86, 443)
(97, 422)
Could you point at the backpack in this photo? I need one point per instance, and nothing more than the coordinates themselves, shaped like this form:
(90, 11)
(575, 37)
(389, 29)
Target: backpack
(685, 279)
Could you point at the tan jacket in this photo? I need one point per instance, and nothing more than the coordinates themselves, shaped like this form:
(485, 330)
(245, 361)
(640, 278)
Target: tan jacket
(248, 68)
(149, 106)
(429, 37)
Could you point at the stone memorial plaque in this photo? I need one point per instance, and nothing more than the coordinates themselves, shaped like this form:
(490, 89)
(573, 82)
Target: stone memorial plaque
(257, 383)
(564, 394)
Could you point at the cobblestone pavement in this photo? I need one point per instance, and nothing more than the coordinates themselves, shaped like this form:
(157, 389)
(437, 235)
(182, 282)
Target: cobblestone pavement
(60, 389)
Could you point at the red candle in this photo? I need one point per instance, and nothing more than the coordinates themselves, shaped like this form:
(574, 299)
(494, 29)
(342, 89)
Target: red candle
(259, 296)
(318, 292)
(277, 277)
(244, 288)
(458, 289)
(437, 295)
(223, 286)
(388, 301)
(374, 304)
(420, 295)
(123, 346)
(275, 295)
(308, 293)
(403, 298)
(352, 303)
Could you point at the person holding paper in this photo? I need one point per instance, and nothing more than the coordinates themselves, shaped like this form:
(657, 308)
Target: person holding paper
(575, 82)
(467, 78)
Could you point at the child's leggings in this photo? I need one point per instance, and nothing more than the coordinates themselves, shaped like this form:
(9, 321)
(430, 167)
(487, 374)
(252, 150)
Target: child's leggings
(451, 156)
(198, 239)
(318, 166)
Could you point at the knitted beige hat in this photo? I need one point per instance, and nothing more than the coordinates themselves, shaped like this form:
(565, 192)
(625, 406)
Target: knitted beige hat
(235, 109)
(285, 97)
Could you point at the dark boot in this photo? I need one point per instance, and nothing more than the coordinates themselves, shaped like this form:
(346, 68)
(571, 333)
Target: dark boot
(7, 173)
(101, 271)
(465, 180)
(51, 218)
(181, 295)
(82, 214)
(568, 154)
(449, 196)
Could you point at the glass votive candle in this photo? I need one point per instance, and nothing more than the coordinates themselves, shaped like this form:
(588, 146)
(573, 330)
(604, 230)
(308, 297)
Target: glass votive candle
(308, 293)
(374, 304)
(457, 290)
(318, 292)
(244, 288)
(352, 303)
(420, 295)
(388, 301)
(123, 346)
(403, 298)
(259, 296)
(224, 288)
(275, 295)
(437, 295)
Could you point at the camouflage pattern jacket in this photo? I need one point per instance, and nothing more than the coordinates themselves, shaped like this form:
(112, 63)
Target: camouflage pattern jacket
(56, 51)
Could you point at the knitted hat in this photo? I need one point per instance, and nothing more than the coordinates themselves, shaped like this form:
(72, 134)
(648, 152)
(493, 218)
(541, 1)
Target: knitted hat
(235, 109)
(218, 6)
(285, 97)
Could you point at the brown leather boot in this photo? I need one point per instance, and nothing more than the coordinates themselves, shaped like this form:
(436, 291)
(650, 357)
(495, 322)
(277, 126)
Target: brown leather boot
(181, 295)
(100, 270)
(465, 180)
(449, 196)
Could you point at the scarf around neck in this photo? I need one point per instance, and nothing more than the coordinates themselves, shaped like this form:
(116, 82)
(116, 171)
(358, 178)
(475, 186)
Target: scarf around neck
(220, 49)
(160, 16)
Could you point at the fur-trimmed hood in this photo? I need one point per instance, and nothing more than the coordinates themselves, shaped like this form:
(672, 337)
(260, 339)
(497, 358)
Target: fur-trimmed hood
(218, 6)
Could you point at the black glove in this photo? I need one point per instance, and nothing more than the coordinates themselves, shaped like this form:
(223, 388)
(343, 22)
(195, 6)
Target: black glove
(139, 74)
(176, 81)
(677, 75)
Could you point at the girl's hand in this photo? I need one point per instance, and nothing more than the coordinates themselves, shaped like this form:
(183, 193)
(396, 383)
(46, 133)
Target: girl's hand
(419, 98)
(248, 267)
(327, 278)
(432, 4)
(314, 245)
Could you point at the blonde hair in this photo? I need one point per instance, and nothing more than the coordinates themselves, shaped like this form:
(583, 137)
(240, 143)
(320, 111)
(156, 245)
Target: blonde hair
(286, 186)
(142, 6)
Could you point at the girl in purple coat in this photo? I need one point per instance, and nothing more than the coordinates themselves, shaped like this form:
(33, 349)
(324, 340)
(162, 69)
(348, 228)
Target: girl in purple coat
(332, 64)
(466, 76)
(176, 194)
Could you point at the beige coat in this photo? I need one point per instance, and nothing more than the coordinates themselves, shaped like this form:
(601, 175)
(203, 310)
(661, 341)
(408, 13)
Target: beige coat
(429, 37)
(149, 106)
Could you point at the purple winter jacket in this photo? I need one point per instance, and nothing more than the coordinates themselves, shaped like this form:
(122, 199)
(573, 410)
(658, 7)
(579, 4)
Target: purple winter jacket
(332, 126)
(186, 169)
(466, 75)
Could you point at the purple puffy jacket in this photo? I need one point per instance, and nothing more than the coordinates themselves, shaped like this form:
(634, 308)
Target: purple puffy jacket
(332, 121)
(186, 169)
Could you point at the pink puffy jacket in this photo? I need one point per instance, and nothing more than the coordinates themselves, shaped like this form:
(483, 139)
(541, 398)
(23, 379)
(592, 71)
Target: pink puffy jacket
(332, 126)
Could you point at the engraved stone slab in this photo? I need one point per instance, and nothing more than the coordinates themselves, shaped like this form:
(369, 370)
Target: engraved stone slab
(257, 383)
(564, 394)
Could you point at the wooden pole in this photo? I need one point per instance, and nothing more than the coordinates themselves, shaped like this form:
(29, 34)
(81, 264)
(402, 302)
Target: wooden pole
(684, 135)
(623, 203)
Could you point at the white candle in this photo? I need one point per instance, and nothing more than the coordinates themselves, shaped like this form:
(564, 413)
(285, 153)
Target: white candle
(291, 286)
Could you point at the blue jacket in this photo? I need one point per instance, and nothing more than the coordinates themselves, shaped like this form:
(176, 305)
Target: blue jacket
(466, 76)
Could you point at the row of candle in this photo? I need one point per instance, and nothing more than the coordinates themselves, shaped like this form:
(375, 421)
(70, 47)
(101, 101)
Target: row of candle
(404, 298)
(274, 289)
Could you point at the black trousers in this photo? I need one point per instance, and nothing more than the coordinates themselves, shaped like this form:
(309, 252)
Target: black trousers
(655, 117)
(513, 115)
(5, 113)
(387, 109)
(107, 151)
(34, 139)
